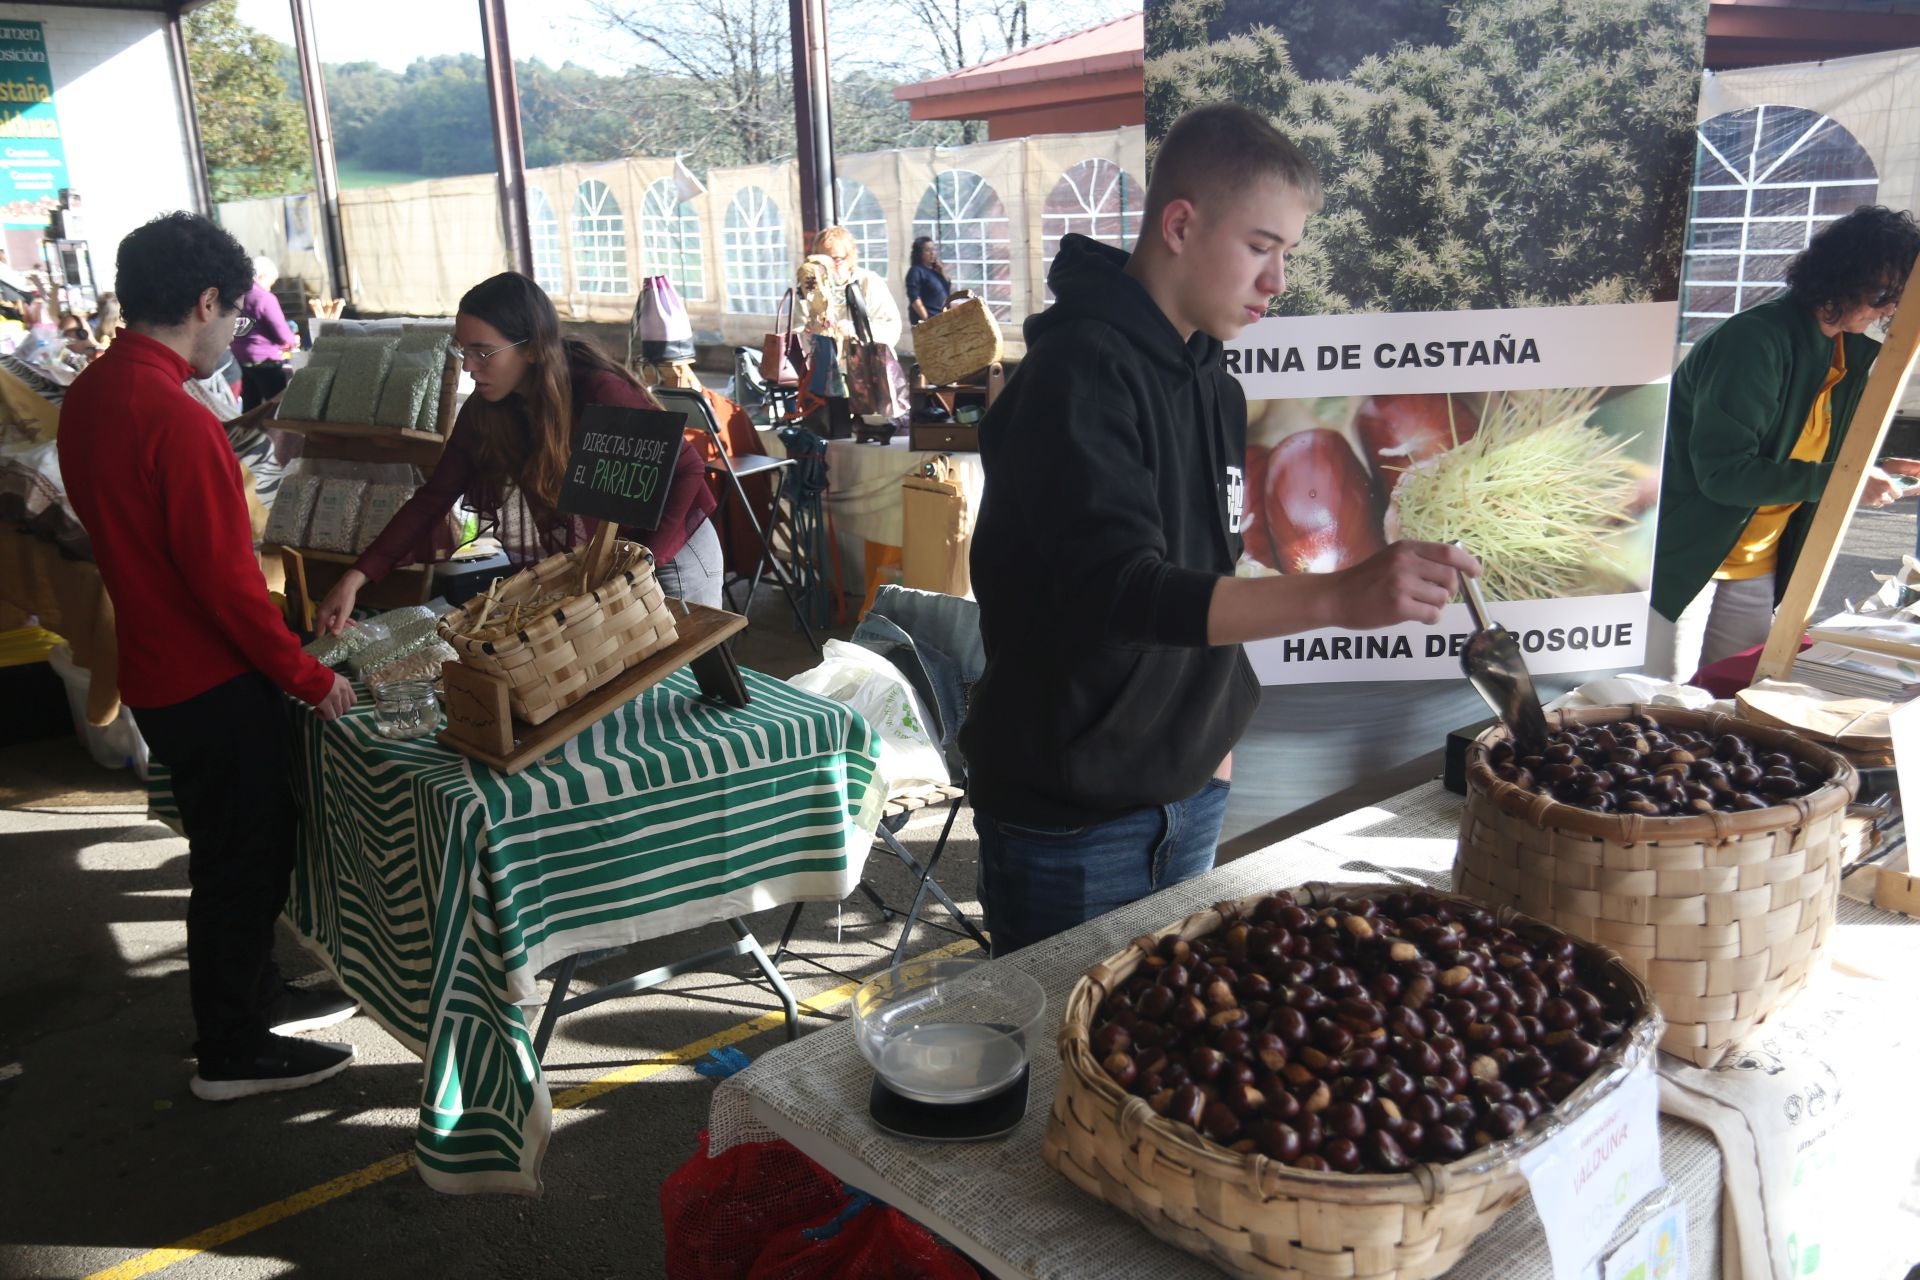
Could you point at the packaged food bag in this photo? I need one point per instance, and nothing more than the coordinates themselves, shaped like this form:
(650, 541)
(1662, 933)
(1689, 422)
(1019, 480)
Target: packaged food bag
(336, 516)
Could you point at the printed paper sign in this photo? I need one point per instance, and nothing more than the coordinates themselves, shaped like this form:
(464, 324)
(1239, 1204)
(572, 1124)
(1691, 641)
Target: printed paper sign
(1658, 1251)
(1479, 324)
(33, 158)
(1588, 1178)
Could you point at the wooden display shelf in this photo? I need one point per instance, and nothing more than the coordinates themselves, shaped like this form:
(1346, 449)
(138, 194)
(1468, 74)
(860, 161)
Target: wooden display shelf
(354, 430)
(311, 573)
(480, 725)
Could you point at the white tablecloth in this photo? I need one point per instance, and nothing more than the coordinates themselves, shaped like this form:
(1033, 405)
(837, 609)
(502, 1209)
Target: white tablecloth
(1006, 1209)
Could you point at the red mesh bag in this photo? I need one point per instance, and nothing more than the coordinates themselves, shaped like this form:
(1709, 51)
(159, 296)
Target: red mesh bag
(718, 1212)
(866, 1241)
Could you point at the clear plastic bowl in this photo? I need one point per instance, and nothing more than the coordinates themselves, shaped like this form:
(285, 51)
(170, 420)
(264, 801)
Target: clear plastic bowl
(947, 1031)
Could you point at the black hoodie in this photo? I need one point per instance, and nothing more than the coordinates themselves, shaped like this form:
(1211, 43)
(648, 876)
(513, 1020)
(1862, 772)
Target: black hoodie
(1114, 467)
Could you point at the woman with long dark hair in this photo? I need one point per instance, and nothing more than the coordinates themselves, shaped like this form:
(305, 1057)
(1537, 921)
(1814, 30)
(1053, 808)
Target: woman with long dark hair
(927, 284)
(508, 453)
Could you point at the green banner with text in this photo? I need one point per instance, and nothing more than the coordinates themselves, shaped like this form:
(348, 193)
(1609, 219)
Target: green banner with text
(33, 158)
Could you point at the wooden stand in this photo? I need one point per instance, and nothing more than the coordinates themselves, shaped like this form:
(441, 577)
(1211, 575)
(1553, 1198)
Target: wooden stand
(480, 725)
(1885, 385)
(951, 435)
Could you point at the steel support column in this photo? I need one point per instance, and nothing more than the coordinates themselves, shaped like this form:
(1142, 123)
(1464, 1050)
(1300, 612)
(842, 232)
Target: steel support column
(509, 153)
(189, 116)
(326, 172)
(813, 116)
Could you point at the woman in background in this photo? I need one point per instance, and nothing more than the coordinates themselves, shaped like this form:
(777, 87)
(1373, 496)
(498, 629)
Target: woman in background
(263, 349)
(821, 311)
(927, 284)
(507, 455)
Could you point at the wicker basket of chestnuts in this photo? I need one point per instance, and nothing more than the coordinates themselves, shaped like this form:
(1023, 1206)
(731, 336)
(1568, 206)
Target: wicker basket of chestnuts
(1704, 850)
(1337, 1080)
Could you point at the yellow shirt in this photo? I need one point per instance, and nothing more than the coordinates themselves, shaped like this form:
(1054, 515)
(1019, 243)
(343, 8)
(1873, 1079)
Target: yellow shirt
(1758, 551)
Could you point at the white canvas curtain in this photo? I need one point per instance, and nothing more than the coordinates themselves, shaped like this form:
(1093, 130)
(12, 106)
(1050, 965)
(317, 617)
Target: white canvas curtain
(414, 249)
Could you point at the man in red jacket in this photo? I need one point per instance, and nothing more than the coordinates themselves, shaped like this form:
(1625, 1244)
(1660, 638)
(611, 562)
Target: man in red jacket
(202, 648)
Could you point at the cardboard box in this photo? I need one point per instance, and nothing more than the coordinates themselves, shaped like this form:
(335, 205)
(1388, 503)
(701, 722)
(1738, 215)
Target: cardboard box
(937, 536)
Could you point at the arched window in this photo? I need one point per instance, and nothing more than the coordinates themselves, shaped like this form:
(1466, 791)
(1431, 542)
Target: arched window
(670, 239)
(1096, 198)
(966, 219)
(1765, 180)
(753, 240)
(860, 214)
(549, 272)
(599, 241)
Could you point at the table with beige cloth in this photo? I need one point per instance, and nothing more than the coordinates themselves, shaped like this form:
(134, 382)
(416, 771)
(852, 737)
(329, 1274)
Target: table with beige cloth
(1000, 1204)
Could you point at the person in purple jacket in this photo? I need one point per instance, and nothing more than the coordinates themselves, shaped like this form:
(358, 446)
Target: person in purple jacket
(263, 347)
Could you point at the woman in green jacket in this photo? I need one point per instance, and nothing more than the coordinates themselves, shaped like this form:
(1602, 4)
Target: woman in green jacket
(1757, 413)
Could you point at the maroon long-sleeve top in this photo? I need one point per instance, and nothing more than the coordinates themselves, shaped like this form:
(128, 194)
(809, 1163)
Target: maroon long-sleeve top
(418, 531)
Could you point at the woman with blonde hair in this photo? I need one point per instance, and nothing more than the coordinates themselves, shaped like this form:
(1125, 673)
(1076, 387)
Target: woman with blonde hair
(507, 455)
(821, 310)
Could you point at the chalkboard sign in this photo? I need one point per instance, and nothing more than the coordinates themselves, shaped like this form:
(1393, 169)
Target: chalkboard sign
(622, 464)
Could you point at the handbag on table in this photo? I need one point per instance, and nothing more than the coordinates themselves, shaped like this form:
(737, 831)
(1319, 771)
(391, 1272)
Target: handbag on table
(876, 385)
(781, 358)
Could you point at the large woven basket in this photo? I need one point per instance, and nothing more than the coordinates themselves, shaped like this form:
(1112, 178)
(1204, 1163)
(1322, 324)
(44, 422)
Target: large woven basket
(572, 644)
(962, 340)
(1255, 1217)
(1724, 914)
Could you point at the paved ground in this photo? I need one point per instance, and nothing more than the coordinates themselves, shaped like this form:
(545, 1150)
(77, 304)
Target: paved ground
(110, 1158)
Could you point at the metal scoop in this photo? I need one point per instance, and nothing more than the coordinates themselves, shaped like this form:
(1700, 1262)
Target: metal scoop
(1496, 670)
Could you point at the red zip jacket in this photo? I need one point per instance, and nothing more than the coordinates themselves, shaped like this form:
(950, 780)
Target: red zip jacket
(156, 484)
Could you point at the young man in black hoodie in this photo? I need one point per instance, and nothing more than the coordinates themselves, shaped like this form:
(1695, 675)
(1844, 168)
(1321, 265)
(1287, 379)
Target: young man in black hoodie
(1099, 738)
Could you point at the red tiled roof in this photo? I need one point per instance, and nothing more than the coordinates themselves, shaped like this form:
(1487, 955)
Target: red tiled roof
(1118, 45)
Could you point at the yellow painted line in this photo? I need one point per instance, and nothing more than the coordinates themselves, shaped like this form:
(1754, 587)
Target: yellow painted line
(145, 1264)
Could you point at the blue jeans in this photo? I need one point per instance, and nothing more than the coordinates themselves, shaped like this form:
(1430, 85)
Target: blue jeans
(1039, 881)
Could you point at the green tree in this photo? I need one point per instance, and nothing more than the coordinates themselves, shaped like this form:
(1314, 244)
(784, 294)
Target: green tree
(253, 132)
(1540, 158)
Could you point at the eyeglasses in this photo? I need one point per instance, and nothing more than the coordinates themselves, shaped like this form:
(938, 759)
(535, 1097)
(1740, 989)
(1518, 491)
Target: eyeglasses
(1887, 297)
(242, 326)
(480, 355)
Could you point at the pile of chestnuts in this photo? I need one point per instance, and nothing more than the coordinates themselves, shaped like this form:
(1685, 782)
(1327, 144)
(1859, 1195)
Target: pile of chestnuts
(1362, 1036)
(1632, 766)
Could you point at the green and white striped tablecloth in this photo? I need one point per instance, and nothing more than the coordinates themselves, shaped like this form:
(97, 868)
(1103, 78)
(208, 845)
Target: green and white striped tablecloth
(436, 888)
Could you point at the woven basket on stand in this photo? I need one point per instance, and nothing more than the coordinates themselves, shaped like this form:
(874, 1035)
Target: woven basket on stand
(572, 643)
(1256, 1217)
(1724, 914)
(962, 340)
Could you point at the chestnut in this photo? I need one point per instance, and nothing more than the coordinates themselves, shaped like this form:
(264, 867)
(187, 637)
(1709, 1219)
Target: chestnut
(1246, 1100)
(1504, 1120)
(1312, 1164)
(1205, 1062)
(1111, 1039)
(1188, 1014)
(1188, 1105)
(1395, 1083)
(1155, 1002)
(1290, 1025)
(1385, 1113)
(1277, 1141)
(1578, 1056)
(1331, 1037)
(1220, 1123)
(1120, 1067)
(1345, 1120)
(1341, 1154)
(1355, 1089)
(1384, 1153)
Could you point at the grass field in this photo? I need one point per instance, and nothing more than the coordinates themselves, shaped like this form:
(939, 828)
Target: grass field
(352, 175)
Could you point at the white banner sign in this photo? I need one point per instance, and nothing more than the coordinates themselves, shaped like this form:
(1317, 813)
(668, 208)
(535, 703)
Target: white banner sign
(1287, 358)
(1590, 633)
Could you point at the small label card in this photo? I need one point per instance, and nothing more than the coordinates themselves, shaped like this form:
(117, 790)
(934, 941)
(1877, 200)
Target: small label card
(1588, 1178)
(1658, 1251)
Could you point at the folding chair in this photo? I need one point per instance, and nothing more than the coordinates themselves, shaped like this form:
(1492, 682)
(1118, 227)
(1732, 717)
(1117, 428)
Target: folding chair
(948, 626)
(699, 414)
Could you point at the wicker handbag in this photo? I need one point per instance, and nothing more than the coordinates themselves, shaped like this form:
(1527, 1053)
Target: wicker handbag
(962, 340)
(558, 645)
(1256, 1217)
(1724, 914)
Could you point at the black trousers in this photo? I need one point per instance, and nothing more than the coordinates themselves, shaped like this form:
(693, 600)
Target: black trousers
(261, 382)
(232, 778)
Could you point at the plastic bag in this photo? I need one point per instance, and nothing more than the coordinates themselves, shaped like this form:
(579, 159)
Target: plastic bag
(333, 651)
(866, 1241)
(868, 683)
(718, 1212)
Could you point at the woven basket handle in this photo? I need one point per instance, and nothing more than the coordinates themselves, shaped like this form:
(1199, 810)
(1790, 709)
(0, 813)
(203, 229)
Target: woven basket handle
(593, 565)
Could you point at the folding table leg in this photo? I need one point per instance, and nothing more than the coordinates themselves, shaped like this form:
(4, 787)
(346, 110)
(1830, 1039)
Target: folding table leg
(930, 885)
(556, 1000)
(751, 945)
(786, 934)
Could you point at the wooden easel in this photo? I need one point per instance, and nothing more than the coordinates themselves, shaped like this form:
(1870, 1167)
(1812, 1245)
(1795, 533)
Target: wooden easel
(1885, 385)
